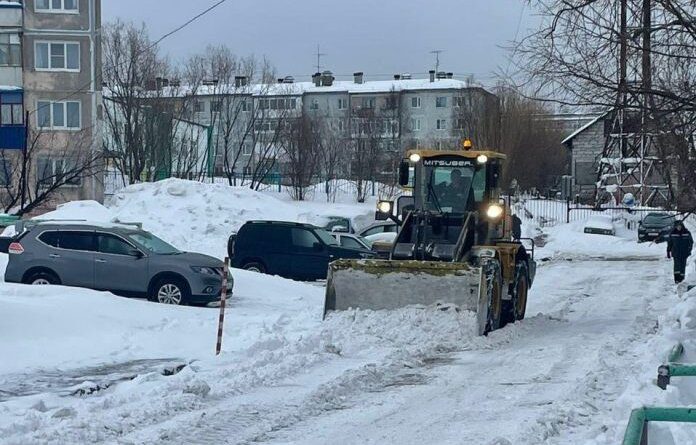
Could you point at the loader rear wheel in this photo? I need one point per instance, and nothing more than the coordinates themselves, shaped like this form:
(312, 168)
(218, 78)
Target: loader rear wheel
(494, 294)
(515, 308)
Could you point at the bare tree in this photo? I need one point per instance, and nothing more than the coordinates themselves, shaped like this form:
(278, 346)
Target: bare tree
(332, 149)
(476, 116)
(301, 153)
(50, 164)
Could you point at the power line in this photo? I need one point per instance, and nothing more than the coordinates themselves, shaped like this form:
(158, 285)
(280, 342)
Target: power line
(155, 43)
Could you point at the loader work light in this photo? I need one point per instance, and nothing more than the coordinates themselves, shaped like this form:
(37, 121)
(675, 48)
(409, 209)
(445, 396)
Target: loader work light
(385, 207)
(482, 159)
(415, 157)
(494, 211)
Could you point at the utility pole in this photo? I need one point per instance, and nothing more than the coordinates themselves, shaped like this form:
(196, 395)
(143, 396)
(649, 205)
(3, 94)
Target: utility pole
(319, 56)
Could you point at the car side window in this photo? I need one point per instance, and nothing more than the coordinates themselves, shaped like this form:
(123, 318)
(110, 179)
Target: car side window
(373, 231)
(390, 229)
(50, 238)
(302, 238)
(350, 242)
(111, 244)
(83, 241)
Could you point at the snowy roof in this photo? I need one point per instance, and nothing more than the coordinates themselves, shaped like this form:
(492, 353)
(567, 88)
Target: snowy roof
(583, 128)
(9, 4)
(338, 86)
(9, 87)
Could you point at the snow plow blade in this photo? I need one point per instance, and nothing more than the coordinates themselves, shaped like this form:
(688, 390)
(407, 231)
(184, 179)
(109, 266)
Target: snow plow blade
(389, 284)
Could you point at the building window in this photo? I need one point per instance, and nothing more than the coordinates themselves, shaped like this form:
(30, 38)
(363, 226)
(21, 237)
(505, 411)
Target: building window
(314, 105)
(415, 102)
(460, 124)
(5, 172)
(50, 171)
(441, 124)
(11, 114)
(263, 104)
(368, 102)
(215, 106)
(56, 6)
(342, 104)
(58, 56)
(246, 149)
(58, 115)
(460, 101)
(415, 124)
(10, 50)
(341, 126)
(243, 106)
(198, 106)
(441, 101)
(247, 171)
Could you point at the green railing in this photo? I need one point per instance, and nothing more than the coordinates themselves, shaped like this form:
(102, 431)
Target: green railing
(637, 429)
(673, 368)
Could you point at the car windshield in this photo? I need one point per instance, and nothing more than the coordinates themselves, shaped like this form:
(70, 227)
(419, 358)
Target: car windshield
(153, 244)
(326, 237)
(658, 219)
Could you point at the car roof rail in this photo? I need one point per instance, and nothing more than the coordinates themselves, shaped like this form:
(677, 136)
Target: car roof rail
(23, 225)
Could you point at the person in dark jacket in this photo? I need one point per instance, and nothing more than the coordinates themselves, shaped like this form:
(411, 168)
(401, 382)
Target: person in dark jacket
(679, 245)
(516, 227)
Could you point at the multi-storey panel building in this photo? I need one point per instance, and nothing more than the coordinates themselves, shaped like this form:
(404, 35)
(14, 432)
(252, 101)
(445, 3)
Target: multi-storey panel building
(50, 55)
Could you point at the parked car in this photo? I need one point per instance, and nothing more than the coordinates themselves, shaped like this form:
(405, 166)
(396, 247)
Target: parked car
(655, 227)
(600, 225)
(378, 227)
(352, 241)
(292, 250)
(381, 243)
(339, 224)
(114, 257)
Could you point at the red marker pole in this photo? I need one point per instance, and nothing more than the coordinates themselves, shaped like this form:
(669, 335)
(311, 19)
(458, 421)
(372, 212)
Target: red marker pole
(223, 297)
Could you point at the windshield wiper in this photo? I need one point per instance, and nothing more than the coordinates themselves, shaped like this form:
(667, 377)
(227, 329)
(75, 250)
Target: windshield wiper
(431, 192)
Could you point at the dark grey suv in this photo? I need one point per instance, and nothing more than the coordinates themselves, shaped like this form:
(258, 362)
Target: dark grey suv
(114, 257)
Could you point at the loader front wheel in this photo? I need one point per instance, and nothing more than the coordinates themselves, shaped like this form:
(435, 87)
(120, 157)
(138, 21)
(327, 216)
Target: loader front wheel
(494, 294)
(515, 308)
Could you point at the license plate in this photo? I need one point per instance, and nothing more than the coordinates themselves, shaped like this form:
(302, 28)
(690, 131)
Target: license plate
(653, 233)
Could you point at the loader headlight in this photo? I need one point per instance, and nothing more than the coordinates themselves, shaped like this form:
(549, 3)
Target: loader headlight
(385, 207)
(415, 157)
(494, 211)
(482, 159)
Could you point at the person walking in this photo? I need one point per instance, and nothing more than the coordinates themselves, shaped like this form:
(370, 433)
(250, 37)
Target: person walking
(679, 245)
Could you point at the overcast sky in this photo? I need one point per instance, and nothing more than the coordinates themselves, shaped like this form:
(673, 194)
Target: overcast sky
(379, 37)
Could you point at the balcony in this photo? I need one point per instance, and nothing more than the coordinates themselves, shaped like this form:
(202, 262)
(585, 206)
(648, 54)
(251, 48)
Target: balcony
(10, 14)
(12, 125)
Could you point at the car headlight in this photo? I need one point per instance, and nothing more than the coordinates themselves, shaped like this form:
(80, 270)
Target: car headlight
(494, 211)
(205, 270)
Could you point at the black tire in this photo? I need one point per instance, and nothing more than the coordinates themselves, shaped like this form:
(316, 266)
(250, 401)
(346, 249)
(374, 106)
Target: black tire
(42, 278)
(516, 307)
(254, 266)
(170, 290)
(494, 289)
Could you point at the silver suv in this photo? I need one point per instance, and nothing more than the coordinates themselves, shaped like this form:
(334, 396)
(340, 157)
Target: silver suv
(119, 258)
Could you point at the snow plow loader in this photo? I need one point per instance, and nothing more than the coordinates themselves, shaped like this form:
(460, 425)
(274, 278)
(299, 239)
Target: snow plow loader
(454, 244)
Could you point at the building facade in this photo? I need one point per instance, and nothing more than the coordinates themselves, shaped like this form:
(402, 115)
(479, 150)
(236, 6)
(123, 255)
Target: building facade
(54, 64)
(437, 112)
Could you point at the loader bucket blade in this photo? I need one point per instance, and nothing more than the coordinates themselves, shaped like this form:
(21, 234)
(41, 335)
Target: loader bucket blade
(387, 284)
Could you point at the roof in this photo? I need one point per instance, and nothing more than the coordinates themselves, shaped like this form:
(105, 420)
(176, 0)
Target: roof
(583, 128)
(338, 86)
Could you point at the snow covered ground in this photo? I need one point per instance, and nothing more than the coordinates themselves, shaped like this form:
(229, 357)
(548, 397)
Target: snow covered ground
(86, 367)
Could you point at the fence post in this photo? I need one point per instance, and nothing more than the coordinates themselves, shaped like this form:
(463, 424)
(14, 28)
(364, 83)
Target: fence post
(568, 210)
(223, 297)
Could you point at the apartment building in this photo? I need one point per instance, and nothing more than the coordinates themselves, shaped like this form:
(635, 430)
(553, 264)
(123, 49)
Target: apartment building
(435, 112)
(50, 72)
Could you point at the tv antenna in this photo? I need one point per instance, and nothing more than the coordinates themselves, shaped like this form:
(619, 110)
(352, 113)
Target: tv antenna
(319, 56)
(437, 53)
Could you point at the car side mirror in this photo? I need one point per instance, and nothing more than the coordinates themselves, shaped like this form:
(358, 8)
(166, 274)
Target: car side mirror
(135, 253)
(318, 247)
(403, 173)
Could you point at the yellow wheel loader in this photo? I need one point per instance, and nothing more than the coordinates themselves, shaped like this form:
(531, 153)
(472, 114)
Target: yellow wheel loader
(454, 244)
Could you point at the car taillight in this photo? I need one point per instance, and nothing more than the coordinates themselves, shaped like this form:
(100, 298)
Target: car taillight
(15, 248)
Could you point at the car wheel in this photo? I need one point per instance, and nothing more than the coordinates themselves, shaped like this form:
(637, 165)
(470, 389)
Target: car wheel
(254, 267)
(43, 279)
(171, 291)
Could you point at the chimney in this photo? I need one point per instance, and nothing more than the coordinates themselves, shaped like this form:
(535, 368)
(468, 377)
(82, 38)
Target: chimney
(397, 76)
(327, 78)
(432, 75)
(240, 81)
(441, 75)
(289, 79)
(358, 77)
(280, 80)
(450, 75)
(406, 76)
(316, 78)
